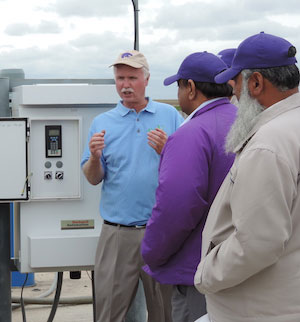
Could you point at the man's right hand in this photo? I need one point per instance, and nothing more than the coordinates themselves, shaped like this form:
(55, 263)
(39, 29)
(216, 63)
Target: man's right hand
(96, 145)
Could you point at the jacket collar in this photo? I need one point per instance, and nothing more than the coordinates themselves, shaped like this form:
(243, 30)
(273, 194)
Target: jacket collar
(270, 113)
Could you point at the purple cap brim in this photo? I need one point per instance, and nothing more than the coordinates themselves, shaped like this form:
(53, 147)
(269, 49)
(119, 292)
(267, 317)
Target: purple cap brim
(170, 80)
(226, 75)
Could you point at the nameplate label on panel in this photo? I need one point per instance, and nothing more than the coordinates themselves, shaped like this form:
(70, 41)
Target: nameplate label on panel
(78, 224)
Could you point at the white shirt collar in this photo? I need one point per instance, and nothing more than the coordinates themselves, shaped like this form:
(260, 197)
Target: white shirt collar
(199, 108)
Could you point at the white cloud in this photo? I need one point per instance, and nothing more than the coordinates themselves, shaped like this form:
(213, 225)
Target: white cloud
(80, 39)
(98, 41)
(217, 16)
(21, 29)
(83, 57)
(88, 8)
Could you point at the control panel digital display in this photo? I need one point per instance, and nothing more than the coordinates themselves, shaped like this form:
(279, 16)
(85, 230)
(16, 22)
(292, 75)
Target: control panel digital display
(53, 141)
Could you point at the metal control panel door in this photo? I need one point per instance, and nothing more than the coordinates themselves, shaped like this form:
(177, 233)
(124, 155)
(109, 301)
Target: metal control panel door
(13, 159)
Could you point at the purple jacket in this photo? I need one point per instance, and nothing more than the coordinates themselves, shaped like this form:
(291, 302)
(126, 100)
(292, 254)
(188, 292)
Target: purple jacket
(192, 167)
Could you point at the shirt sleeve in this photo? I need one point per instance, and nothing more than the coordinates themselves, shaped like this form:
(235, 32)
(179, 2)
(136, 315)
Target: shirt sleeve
(261, 200)
(180, 198)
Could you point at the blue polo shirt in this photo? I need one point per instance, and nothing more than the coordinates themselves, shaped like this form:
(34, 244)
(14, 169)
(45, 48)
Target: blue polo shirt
(130, 164)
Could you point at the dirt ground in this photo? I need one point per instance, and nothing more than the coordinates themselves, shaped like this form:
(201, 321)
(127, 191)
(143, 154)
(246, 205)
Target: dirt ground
(72, 289)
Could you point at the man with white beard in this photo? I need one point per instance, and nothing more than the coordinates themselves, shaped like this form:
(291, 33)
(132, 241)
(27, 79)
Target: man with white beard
(249, 270)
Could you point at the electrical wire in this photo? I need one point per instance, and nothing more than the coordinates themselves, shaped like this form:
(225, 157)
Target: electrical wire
(28, 300)
(50, 301)
(22, 301)
(78, 300)
(94, 299)
(56, 297)
(54, 303)
(26, 179)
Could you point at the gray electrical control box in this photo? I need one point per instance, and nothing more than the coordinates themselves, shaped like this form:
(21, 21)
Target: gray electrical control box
(56, 211)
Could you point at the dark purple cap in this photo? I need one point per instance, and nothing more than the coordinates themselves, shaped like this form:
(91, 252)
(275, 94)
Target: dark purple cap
(200, 67)
(227, 55)
(259, 51)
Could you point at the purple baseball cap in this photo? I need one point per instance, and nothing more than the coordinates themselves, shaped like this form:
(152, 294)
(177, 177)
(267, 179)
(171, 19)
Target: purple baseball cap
(259, 51)
(200, 67)
(227, 55)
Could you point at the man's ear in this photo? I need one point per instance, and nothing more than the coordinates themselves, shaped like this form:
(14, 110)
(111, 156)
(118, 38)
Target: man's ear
(256, 84)
(192, 89)
(147, 80)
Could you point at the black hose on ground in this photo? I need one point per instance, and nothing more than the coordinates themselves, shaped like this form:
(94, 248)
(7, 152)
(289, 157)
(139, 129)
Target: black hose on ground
(56, 297)
(93, 293)
(49, 301)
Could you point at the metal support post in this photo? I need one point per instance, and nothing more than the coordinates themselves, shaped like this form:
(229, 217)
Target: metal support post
(136, 23)
(5, 275)
(4, 97)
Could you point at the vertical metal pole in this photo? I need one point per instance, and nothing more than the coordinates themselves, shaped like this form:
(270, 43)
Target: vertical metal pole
(5, 276)
(4, 97)
(136, 24)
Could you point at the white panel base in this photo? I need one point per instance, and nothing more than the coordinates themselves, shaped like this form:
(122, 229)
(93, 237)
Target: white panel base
(62, 251)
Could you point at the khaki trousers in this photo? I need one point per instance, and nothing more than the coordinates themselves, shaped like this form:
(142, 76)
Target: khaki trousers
(118, 267)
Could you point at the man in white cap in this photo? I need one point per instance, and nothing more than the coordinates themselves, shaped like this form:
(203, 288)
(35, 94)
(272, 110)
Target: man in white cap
(123, 152)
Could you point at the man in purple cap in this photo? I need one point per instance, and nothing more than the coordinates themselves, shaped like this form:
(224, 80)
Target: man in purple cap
(250, 263)
(192, 167)
(227, 55)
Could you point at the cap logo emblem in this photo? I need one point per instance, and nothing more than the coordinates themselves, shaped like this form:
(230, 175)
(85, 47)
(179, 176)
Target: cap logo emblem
(126, 55)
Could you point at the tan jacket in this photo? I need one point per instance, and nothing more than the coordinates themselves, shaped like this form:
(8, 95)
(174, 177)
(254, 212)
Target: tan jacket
(250, 267)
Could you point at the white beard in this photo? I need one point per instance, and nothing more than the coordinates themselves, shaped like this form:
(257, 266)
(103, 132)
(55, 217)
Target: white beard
(248, 110)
